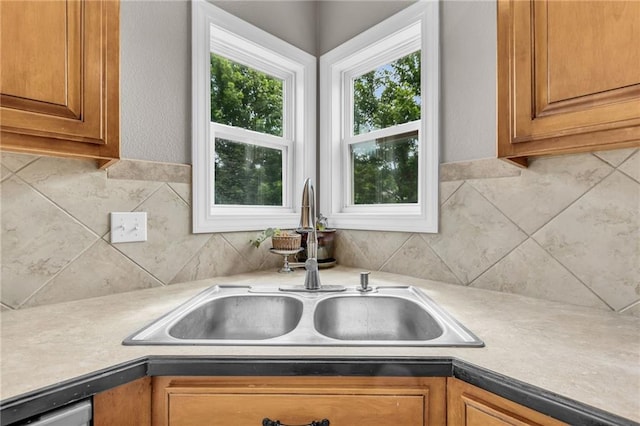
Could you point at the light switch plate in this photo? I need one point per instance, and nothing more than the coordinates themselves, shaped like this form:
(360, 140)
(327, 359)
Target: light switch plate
(127, 227)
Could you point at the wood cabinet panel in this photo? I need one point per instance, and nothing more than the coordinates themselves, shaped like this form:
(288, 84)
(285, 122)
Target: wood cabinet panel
(568, 76)
(125, 405)
(59, 84)
(468, 405)
(343, 401)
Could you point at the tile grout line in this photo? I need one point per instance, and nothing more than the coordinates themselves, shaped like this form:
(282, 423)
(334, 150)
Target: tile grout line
(452, 194)
(435, 253)
(470, 283)
(137, 264)
(59, 207)
(404, 243)
(628, 307)
(559, 213)
(54, 276)
(195, 254)
(179, 196)
(460, 280)
(531, 236)
(573, 274)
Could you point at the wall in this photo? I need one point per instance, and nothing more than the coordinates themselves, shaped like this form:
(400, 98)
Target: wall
(565, 229)
(55, 231)
(156, 66)
(155, 80)
(339, 21)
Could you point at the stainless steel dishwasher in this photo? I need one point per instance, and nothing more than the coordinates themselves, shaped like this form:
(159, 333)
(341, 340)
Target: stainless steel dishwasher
(78, 414)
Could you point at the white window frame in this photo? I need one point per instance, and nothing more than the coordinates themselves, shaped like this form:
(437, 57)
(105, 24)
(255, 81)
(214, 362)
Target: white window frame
(414, 28)
(217, 31)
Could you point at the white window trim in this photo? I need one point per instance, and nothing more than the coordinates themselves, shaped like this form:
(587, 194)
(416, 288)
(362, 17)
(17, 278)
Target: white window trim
(353, 58)
(263, 51)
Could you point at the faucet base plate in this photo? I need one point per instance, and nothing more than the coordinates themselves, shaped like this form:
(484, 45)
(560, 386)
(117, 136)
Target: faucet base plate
(322, 289)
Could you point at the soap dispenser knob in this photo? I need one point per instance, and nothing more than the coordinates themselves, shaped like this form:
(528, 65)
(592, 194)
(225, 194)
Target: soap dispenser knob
(364, 281)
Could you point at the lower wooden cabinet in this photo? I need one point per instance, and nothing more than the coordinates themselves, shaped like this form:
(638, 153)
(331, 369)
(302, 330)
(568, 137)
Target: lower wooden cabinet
(344, 401)
(468, 405)
(125, 405)
(246, 401)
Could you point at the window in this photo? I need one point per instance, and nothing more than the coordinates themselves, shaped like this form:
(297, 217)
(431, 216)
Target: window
(253, 124)
(379, 125)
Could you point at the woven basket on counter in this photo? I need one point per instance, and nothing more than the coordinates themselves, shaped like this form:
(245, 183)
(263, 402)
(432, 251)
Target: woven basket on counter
(286, 242)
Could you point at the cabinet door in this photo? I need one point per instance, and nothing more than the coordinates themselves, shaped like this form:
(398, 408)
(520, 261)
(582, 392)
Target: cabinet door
(299, 401)
(60, 77)
(568, 76)
(468, 405)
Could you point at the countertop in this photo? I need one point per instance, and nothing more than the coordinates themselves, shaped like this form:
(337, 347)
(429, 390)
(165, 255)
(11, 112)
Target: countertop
(587, 355)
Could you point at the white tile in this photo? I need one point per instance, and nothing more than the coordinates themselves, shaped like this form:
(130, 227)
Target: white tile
(84, 191)
(150, 170)
(217, 258)
(448, 188)
(376, 246)
(99, 271)
(183, 190)
(634, 309)
(544, 189)
(170, 243)
(473, 234)
(530, 271)
(38, 240)
(4, 172)
(598, 239)
(348, 253)
(615, 157)
(416, 259)
(14, 161)
(477, 169)
(254, 256)
(631, 167)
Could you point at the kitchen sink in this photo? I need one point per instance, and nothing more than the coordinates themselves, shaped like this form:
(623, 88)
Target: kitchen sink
(240, 317)
(373, 317)
(265, 315)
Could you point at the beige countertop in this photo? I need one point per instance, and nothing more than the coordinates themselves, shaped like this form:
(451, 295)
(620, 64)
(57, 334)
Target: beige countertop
(587, 355)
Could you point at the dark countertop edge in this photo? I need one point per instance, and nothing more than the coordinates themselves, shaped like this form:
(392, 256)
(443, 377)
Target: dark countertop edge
(33, 403)
(538, 399)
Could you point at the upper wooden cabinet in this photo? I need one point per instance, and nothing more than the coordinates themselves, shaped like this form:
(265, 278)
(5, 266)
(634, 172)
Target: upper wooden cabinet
(60, 89)
(568, 76)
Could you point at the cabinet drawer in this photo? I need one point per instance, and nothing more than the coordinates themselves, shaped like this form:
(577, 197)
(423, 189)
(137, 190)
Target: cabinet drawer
(346, 401)
(249, 410)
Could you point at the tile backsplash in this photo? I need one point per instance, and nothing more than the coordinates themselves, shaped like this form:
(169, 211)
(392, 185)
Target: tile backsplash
(565, 229)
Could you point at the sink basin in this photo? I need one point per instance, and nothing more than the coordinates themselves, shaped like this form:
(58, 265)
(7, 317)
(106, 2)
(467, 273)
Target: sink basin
(373, 317)
(265, 315)
(241, 317)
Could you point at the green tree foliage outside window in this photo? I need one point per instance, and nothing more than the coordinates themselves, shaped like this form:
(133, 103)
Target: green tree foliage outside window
(246, 174)
(244, 97)
(385, 171)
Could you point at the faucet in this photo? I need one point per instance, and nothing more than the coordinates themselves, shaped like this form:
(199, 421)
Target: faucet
(308, 226)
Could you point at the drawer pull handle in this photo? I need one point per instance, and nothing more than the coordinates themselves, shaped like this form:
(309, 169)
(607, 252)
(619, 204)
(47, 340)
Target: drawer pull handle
(269, 422)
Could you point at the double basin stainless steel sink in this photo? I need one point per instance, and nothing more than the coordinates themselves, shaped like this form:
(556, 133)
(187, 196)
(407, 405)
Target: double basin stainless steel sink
(267, 316)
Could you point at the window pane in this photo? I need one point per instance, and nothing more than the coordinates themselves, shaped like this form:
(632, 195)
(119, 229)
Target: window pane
(244, 97)
(385, 171)
(247, 175)
(388, 95)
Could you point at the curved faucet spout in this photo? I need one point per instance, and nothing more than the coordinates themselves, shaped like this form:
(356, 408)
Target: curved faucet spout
(308, 226)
